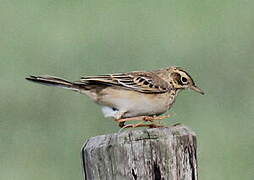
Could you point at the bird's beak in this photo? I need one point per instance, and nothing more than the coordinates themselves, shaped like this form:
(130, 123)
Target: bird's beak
(197, 89)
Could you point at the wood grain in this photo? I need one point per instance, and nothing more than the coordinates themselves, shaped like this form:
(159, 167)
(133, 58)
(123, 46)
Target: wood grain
(144, 154)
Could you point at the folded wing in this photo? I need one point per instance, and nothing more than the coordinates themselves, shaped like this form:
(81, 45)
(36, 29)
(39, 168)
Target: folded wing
(146, 82)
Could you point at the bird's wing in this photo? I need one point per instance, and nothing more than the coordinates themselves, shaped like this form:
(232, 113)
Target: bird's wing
(146, 82)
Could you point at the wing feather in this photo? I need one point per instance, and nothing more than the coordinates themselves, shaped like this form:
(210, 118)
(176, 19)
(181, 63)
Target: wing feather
(146, 82)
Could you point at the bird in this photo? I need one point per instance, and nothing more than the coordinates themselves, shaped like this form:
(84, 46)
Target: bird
(135, 95)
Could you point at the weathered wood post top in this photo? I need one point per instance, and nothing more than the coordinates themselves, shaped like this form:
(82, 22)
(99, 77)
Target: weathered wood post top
(143, 154)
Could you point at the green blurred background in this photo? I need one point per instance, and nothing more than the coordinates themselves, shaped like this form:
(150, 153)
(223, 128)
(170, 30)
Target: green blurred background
(42, 128)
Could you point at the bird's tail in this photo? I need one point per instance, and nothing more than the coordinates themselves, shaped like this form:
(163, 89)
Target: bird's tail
(53, 81)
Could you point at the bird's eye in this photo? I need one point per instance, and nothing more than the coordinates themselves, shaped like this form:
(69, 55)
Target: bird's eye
(184, 80)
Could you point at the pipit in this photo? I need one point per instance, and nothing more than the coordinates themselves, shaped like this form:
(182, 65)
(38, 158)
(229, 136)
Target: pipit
(137, 95)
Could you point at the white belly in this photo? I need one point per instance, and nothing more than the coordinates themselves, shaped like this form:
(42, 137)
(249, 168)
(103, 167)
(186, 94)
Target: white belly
(133, 103)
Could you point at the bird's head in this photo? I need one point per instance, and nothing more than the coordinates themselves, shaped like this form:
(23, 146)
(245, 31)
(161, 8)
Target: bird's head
(180, 79)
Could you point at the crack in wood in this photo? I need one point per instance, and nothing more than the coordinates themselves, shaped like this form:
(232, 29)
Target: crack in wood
(134, 174)
(157, 172)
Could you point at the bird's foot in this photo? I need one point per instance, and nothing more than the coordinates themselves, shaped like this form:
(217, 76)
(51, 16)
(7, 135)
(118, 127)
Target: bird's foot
(176, 124)
(121, 124)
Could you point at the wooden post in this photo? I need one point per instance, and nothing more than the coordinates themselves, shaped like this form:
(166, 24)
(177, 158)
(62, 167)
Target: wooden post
(144, 154)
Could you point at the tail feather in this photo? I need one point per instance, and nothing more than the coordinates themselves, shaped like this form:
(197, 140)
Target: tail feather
(52, 81)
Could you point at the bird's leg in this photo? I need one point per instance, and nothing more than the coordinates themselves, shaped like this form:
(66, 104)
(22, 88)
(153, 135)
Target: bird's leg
(137, 118)
(141, 118)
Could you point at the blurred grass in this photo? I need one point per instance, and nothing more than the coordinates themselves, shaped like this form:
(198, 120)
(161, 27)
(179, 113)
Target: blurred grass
(42, 129)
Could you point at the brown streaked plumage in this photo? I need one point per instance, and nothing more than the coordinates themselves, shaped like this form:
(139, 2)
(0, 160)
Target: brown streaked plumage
(133, 95)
